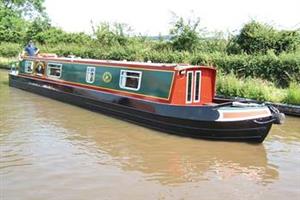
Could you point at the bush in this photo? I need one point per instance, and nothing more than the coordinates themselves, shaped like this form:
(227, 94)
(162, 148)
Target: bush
(260, 38)
(5, 63)
(229, 85)
(109, 36)
(57, 36)
(293, 94)
(10, 49)
(185, 34)
(278, 69)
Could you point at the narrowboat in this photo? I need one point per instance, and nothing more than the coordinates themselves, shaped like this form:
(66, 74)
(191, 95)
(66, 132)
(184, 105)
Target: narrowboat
(172, 98)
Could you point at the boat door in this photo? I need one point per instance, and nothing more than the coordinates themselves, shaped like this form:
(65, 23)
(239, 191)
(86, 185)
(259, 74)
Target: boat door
(193, 86)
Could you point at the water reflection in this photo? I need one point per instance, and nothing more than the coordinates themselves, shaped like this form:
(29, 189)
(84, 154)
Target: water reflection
(51, 128)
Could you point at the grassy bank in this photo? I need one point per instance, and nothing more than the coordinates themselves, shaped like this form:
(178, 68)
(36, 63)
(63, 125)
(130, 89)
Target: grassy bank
(3, 78)
(5, 62)
(293, 94)
(253, 88)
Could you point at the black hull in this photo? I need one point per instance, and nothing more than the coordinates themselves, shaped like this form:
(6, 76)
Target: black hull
(179, 120)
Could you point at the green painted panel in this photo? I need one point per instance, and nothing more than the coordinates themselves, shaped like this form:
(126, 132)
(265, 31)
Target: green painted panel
(22, 66)
(153, 83)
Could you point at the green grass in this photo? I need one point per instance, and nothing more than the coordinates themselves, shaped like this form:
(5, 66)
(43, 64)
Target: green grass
(3, 78)
(293, 94)
(5, 62)
(253, 88)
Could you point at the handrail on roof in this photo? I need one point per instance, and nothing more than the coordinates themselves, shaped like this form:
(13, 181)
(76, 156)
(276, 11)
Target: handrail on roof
(177, 67)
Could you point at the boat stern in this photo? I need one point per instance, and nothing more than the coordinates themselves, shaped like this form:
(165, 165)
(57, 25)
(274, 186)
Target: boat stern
(237, 111)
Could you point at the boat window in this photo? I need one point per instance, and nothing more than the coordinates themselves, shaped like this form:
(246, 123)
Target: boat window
(90, 74)
(54, 70)
(189, 87)
(28, 66)
(130, 80)
(197, 86)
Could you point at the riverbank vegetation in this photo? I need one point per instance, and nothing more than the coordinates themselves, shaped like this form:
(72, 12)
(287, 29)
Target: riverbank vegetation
(259, 62)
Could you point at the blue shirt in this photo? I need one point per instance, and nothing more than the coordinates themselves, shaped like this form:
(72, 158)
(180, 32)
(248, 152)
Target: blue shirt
(30, 50)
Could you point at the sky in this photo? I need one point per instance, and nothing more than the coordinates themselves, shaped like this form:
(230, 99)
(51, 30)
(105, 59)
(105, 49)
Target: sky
(153, 17)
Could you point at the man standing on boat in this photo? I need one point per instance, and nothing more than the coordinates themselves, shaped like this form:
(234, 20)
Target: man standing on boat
(30, 49)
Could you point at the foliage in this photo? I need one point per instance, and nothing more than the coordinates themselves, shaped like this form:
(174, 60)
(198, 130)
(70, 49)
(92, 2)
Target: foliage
(288, 41)
(229, 85)
(57, 36)
(278, 69)
(260, 38)
(14, 17)
(212, 45)
(293, 94)
(6, 62)
(25, 8)
(36, 27)
(10, 49)
(108, 35)
(11, 26)
(185, 34)
(232, 45)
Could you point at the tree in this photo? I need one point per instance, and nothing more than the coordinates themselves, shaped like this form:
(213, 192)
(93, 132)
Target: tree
(12, 26)
(39, 25)
(109, 35)
(25, 8)
(257, 38)
(185, 34)
(288, 41)
(260, 38)
(14, 16)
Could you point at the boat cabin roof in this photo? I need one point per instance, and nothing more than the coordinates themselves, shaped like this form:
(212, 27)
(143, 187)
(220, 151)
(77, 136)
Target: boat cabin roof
(160, 66)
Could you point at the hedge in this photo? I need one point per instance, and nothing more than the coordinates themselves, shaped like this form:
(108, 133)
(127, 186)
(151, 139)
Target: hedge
(280, 70)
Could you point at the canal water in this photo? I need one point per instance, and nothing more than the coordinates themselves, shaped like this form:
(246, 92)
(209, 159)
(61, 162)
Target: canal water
(53, 150)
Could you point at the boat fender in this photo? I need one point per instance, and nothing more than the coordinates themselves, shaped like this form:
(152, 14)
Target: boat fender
(279, 118)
